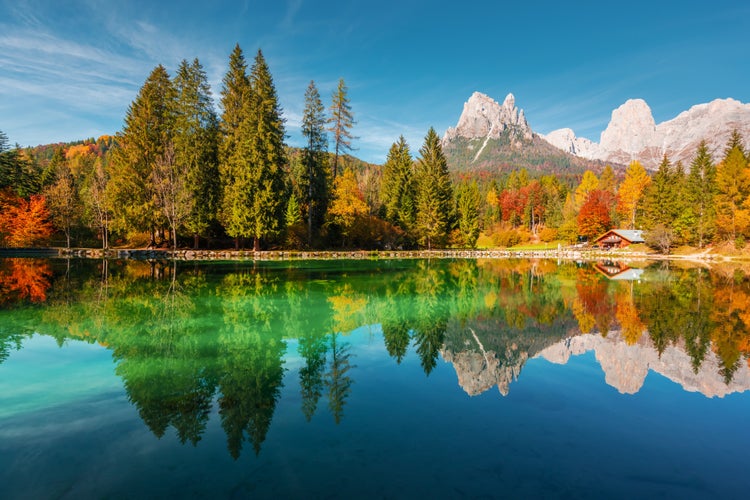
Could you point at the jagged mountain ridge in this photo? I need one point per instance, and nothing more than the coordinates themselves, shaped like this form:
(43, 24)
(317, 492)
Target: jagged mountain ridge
(491, 136)
(633, 134)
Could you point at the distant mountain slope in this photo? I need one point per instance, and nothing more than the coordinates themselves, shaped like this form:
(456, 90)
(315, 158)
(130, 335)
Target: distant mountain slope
(632, 133)
(494, 137)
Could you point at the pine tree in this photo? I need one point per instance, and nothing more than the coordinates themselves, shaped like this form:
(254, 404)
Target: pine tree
(16, 170)
(235, 91)
(467, 211)
(397, 186)
(434, 193)
(341, 120)
(631, 192)
(143, 141)
(659, 203)
(701, 189)
(255, 197)
(196, 147)
(314, 159)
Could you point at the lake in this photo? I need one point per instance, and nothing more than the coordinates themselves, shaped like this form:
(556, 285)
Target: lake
(373, 378)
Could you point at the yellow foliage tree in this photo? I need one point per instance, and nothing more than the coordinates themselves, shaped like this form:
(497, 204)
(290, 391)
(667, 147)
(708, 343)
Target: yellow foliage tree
(589, 182)
(348, 203)
(631, 191)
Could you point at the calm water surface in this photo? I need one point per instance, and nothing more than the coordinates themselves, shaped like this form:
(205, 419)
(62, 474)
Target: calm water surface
(497, 378)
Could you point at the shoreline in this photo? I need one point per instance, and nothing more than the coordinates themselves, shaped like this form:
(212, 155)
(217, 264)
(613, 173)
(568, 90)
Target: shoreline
(575, 254)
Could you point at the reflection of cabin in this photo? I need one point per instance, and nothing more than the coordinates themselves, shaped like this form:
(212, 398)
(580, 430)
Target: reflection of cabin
(619, 238)
(618, 271)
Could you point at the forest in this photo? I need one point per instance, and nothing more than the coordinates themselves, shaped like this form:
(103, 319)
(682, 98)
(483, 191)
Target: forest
(180, 174)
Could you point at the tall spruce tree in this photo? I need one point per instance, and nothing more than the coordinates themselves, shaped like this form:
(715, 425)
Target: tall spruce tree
(255, 197)
(397, 186)
(143, 141)
(314, 160)
(701, 189)
(467, 212)
(196, 146)
(235, 90)
(434, 217)
(341, 120)
(660, 203)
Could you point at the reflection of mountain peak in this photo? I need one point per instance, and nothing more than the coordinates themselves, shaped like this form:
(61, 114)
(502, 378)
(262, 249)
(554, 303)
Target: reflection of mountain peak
(479, 371)
(626, 366)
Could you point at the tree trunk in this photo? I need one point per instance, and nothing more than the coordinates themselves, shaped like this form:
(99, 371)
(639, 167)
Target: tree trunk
(256, 244)
(174, 238)
(196, 241)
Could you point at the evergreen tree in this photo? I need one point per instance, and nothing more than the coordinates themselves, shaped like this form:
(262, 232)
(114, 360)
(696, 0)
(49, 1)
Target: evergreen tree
(16, 170)
(255, 198)
(341, 120)
(434, 193)
(701, 191)
(659, 204)
(314, 158)
(235, 91)
(467, 211)
(292, 214)
(397, 186)
(143, 141)
(196, 147)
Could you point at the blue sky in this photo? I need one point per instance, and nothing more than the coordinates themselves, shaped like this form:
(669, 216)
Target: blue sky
(69, 69)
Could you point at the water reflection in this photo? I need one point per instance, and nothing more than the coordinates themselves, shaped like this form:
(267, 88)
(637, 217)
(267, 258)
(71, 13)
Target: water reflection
(191, 337)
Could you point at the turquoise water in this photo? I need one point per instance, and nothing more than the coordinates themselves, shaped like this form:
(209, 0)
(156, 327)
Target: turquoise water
(372, 379)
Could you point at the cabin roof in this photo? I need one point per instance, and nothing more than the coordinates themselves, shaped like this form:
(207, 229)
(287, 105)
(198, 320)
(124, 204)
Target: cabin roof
(631, 235)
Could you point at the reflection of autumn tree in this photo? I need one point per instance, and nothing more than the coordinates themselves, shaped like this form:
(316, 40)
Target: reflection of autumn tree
(593, 305)
(251, 349)
(731, 317)
(24, 279)
(348, 308)
(627, 315)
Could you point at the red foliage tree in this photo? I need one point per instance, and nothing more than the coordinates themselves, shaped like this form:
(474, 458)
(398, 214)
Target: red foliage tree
(24, 223)
(594, 219)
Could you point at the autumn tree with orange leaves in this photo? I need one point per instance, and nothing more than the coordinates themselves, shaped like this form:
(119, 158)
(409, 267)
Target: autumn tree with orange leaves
(23, 222)
(594, 218)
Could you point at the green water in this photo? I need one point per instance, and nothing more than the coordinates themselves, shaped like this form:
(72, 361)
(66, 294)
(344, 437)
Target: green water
(400, 378)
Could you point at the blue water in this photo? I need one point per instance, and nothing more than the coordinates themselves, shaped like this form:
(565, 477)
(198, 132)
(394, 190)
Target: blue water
(71, 427)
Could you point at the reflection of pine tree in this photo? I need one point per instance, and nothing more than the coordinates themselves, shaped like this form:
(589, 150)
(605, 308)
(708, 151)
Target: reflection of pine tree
(337, 379)
(432, 308)
(698, 300)
(163, 362)
(429, 340)
(313, 348)
(251, 352)
(396, 337)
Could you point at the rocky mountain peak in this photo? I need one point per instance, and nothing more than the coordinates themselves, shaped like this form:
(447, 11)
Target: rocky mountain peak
(631, 129)
(485, 118)
(632, 133)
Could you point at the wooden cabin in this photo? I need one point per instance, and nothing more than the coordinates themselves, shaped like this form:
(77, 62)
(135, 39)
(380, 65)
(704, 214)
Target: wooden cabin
(619, 238)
